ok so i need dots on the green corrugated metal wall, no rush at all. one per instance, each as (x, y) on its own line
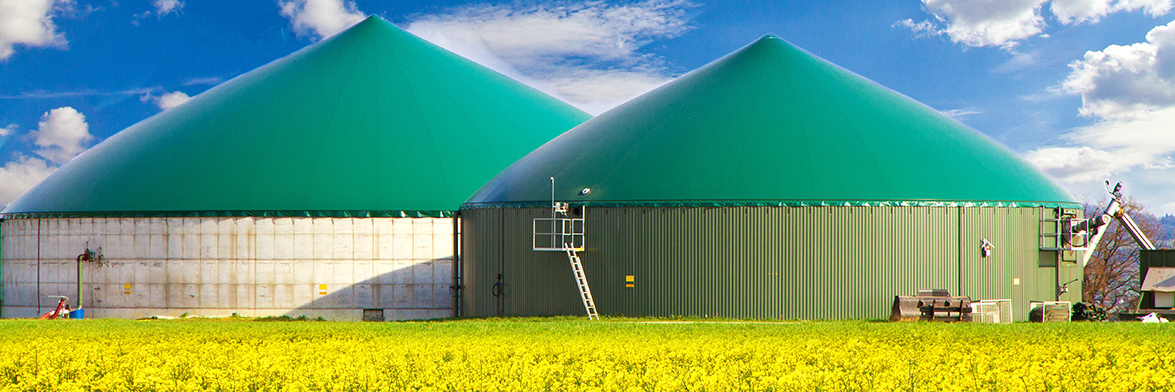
(1, 268)
(759, 262)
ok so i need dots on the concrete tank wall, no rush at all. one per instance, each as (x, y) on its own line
(217, 266)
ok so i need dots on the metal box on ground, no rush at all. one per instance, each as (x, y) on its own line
(1050, 311)
(996, 311)
(373, 315)
(931, 305)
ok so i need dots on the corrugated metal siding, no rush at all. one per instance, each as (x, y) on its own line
(757, 262)
(1015, 233)
(3, 240)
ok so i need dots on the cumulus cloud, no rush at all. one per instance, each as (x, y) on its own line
(19, 175)
(981, 23)
(1079, 11)
(1138, 150)
(166, 100)
(29, 23)
(1125, 81)
(1128, 91)
(1075, 164)
(164, 7)
(161, 8)
(588, 54)
(61, 135)
(1004, 23)
(320, 18)
(171, 100)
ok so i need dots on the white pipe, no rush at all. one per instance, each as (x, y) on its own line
(1143, 242)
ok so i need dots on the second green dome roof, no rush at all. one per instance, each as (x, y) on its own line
(773, 125)
(371, 121)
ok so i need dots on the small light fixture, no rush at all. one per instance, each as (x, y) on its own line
(585, 191)
(986, 247)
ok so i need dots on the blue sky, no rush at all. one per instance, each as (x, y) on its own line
(1084, 89)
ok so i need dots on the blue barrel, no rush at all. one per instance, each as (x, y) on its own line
(77, 314)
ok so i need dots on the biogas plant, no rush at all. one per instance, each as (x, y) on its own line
(376, 176)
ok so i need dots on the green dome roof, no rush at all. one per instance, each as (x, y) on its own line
(773, 125)
(371, 121)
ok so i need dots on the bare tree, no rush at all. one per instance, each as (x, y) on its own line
(1111, 277)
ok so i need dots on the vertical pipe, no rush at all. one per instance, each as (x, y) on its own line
(1, 263)
(456, 264)
(79, 260)
(959, 233)
(1059, 211)
(500, 216)
(38, 266)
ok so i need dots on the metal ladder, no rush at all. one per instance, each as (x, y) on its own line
(585, 292)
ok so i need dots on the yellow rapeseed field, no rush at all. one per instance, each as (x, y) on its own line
(574, 354)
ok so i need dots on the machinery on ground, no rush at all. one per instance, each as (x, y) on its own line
(62, 310)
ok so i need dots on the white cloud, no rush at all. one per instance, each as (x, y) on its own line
(1168, 208)
(19, 175)
(164, 7)
(982, 23)
(1016, 62)
(322, 18)
(1005, 23)
(166, 100)
(1124, 81)
(588, 54)
(29, 23)
(171, 100)
(1110, 147)
(61, 134)
(960, 114)
(596, 91)
(1079, 11)
(1139, 150)
(1075, 164)
(42, 94)
(1128, 91)
(921, 29)
(205, 81)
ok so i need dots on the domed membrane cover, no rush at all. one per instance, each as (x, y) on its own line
(370, 122)
(772, 125)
